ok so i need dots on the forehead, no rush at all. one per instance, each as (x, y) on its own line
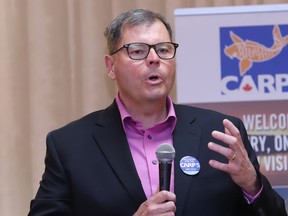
(152, 33)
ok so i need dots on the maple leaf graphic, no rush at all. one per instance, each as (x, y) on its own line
(247, 87)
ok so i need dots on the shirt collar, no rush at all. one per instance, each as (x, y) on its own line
(171, 117)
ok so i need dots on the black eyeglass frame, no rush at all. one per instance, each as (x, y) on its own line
(126, 46)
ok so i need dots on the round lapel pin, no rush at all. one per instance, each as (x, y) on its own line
(190, 165)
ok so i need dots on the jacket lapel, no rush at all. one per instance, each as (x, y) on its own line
(110, 137)
(186, 142)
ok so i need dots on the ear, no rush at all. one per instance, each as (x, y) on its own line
(109, 61)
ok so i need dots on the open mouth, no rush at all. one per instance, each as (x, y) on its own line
(153, 78)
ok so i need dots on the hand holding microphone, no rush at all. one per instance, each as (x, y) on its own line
(163, 201)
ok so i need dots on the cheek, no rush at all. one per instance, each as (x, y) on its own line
(127, 79)
(128, 73)
(172, 72)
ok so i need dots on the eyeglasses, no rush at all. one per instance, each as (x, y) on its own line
(139, 51)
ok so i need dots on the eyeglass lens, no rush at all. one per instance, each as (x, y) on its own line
(139, 51)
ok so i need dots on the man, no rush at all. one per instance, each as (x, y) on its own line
(105, 162)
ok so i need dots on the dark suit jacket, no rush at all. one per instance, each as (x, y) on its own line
(90, 170)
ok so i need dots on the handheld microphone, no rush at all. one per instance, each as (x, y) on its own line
(165, 154)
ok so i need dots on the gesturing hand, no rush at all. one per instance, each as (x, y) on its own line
(160, 204)
(239, 165)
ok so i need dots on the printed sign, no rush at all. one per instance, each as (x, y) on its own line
(254, 61)
(235, 60)
(232, 54)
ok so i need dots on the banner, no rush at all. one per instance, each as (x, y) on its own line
(235, 60)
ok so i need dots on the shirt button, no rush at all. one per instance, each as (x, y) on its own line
(149, 137)
(154, 162)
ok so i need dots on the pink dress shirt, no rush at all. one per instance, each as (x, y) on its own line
(143, 144)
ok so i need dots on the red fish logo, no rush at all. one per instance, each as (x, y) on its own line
(248, 52)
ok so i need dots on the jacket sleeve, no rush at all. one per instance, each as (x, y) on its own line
(54, 195)
(269, 201)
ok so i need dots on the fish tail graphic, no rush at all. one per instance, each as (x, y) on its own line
(248, 52)
(285, 41)
(279, 41)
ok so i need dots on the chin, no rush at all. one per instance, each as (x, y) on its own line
(155, 97)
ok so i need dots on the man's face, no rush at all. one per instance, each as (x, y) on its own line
(144, 80)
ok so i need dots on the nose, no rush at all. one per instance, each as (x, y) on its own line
(153, 58)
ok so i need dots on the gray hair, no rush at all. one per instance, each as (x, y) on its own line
(131, 18)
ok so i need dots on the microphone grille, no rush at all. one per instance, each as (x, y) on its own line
(165, 153)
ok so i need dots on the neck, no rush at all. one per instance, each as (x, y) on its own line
(148, 113)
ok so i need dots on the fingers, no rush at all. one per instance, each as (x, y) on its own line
(231, 137)
(234, 149)
(233, 161)
(227, 152)
(231, 129)
(238, 161)
(220, 166)
(231, 134)
(163, 196)
(161, 203)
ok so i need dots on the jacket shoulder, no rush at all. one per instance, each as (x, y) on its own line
(198, 112)
(87, 122)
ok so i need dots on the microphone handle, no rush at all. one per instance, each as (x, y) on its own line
(164, 175)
